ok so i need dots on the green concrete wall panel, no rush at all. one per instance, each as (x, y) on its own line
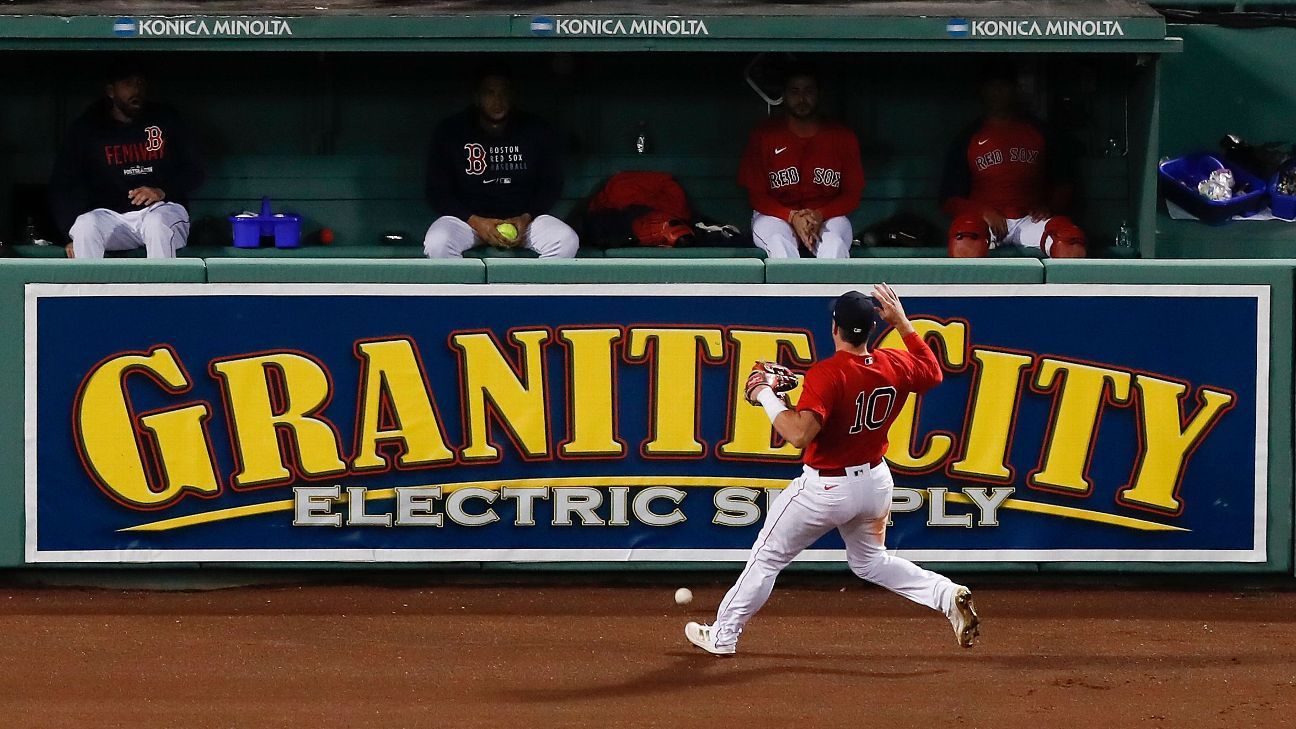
(501, 270)
(220, 270)
(906, 271)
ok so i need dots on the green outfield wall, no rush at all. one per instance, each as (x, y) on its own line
(1014, 278)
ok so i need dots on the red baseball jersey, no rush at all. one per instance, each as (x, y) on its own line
(856, 398)
(783, 172)
(1006, 161)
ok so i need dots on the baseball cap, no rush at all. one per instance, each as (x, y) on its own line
(855, 312)
(121, 67)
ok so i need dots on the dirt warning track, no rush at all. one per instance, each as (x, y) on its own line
(538, 656)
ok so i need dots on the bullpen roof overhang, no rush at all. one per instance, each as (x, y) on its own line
(1058, 26)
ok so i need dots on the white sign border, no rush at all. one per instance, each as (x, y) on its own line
(35, 291)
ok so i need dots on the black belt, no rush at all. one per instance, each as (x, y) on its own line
(832, 472)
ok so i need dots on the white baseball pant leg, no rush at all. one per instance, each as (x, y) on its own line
(450, 237)
(1026, 232)
(161, 229)
(857, 505)
(551, 238)
(776, 238)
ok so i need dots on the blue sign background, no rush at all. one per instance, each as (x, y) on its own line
(1204, 341)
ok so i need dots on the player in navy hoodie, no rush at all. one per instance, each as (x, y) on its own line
(489, 166)
(124, 174)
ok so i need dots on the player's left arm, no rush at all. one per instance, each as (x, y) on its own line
(550, 177)
(189, 173)
(852, 180)
(767, 386)
(1061, 170)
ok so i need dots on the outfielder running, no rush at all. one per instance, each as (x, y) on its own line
(847, 405)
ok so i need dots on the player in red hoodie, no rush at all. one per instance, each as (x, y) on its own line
(803, 177)
(1005, 183)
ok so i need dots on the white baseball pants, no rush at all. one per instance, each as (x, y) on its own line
(161, 228)
(857, 505)
(1023, 232)
(776, 238)
(548, 236)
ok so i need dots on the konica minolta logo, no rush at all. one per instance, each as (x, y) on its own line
(542, 25)
(125, 27)
(958, 27)
(202, 27)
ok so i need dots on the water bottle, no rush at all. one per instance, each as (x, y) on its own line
(1124, 236)
(641, 139)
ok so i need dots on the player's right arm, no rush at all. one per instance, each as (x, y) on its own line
(68, 193)
(754, 176)
(442, 166)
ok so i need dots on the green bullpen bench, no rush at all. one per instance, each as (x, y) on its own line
(363, 198)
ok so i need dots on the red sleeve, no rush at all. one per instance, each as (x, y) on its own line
(924, 371)
(852, 183)
(818, 393)
(753, 176)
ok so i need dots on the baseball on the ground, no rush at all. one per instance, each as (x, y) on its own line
(683, 596)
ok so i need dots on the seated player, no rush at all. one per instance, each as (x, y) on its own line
(1005, 183)
(803, 177)
(493, 174)
(124, 173)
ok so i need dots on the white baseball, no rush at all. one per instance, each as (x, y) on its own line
(683, 596)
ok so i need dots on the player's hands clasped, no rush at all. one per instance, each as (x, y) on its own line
(521, 222)
(997, 222)
(807, 225)
(487, 230)
(145, 196)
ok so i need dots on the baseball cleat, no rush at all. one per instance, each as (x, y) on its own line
(964, 618)
(703, 637)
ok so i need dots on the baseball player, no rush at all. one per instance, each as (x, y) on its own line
(1005, 182)
(803, 177)
(493, 174)
(847, 405)
(124, 173)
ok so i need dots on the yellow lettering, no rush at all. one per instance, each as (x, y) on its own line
(517, 400)
(591, 393)
(391, 373)
(1068, 446)
(905, 451)
(302, 390)
(988, 432)
(106, 433)
(675, 383)
(1167, 442)
(750, 432)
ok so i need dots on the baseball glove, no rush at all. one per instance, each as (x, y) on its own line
(772, 375)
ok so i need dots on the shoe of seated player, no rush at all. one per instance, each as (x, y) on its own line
(703, 636)
(963, 617)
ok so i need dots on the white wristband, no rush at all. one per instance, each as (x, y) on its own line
(772, 403)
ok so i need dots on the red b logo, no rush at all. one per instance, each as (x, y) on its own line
(153, 139)
(476, 158)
